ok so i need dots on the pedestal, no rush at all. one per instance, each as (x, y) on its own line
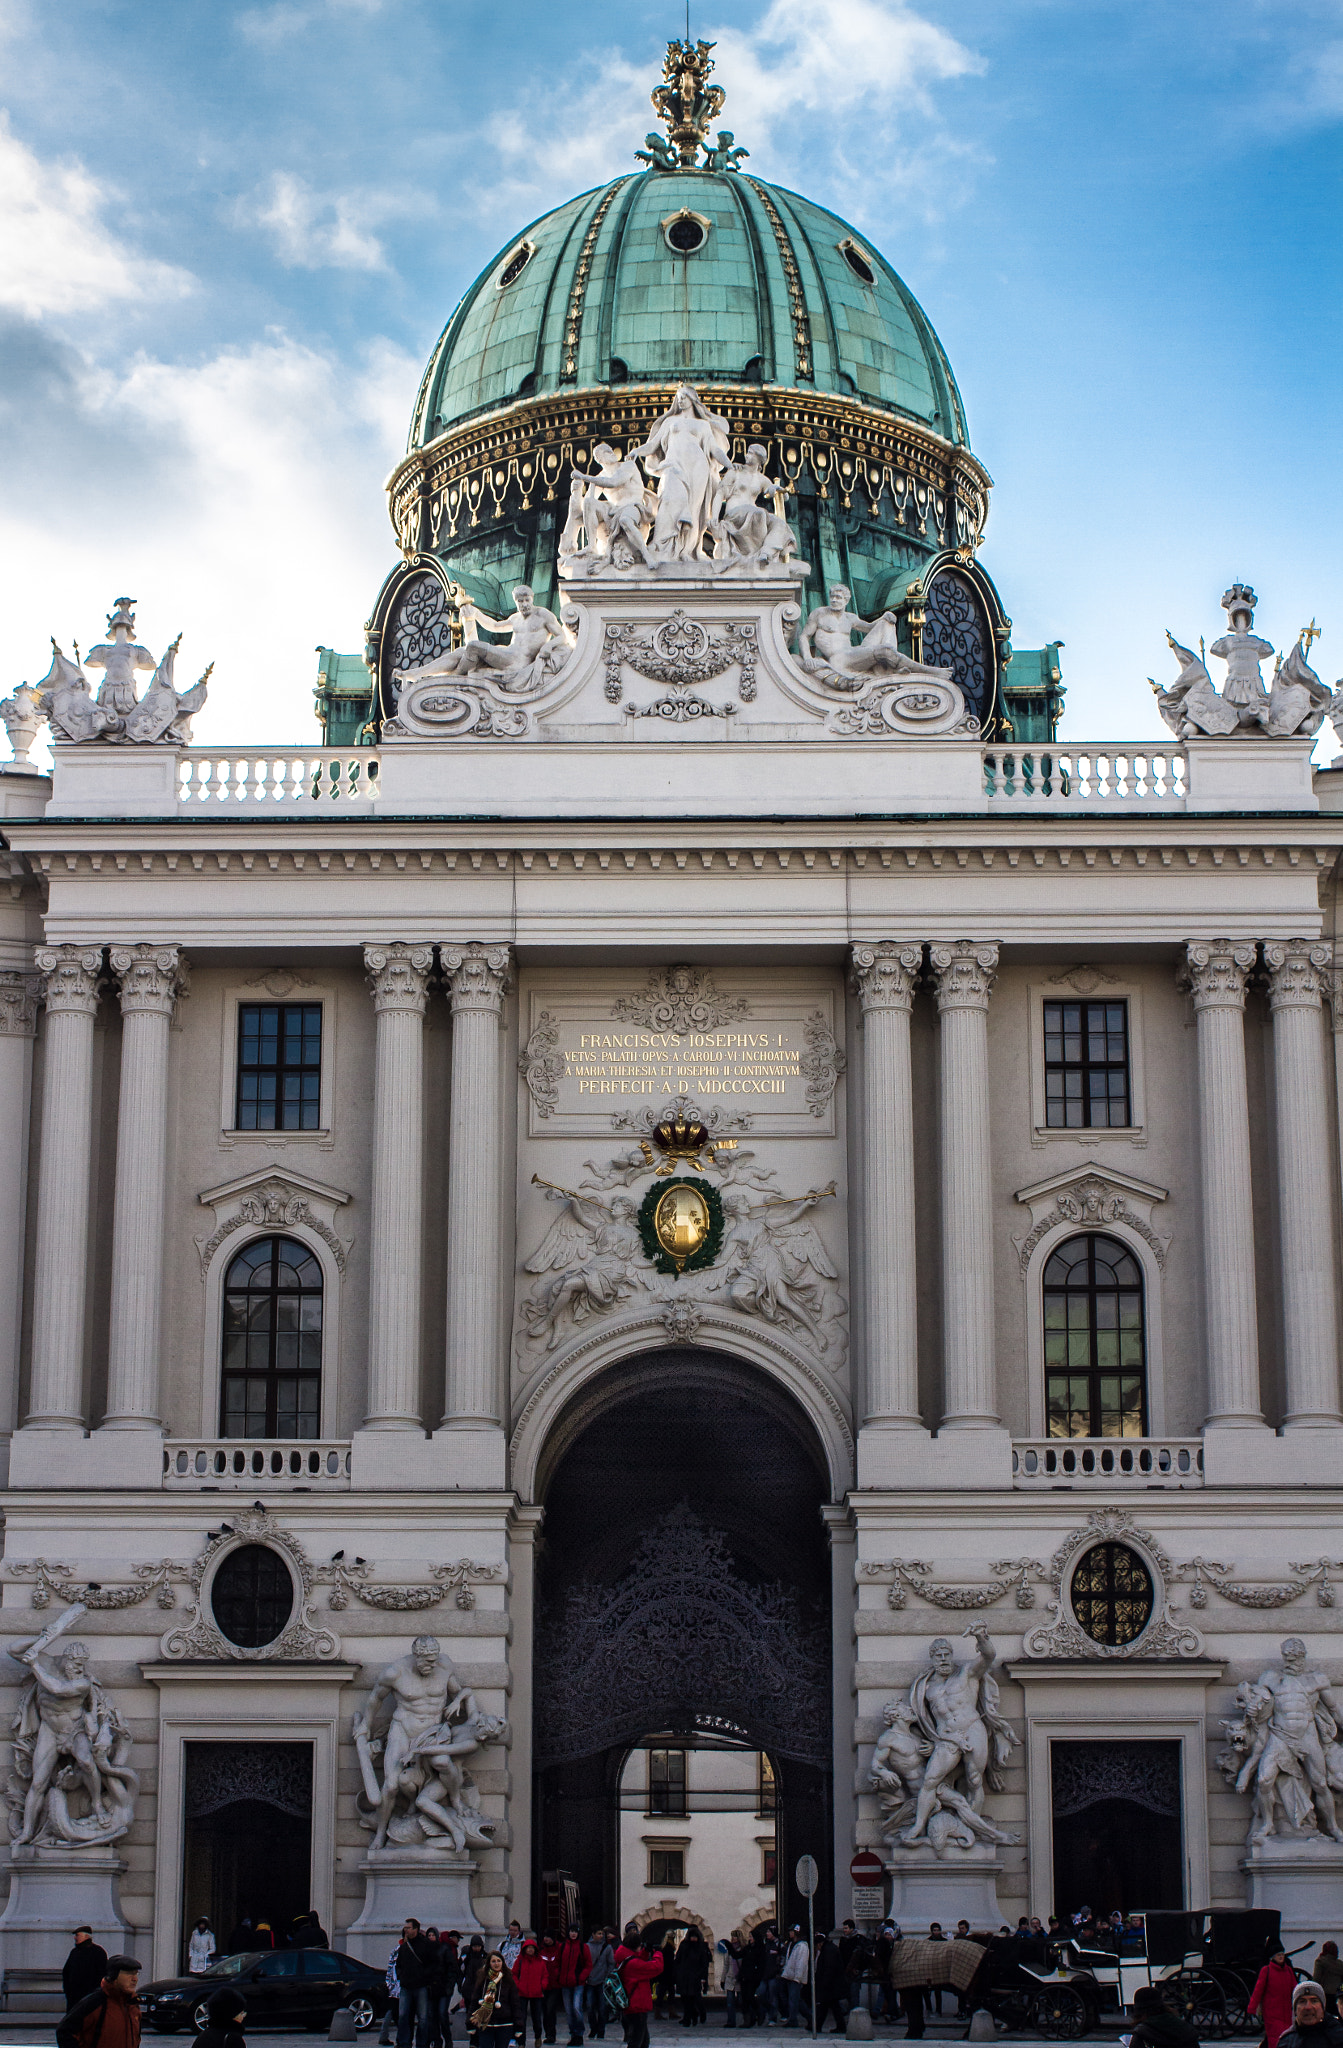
(52, 1891)
(1302, 1875)
(433, 1887)
(960, 1885)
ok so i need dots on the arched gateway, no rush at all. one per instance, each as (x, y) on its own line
(683, 1591)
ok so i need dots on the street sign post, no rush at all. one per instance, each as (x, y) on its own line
(808, 1878)
(869, 1894)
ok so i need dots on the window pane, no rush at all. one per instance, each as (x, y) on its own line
(272, 1327)
(1093, 1339)
(1086, 1064)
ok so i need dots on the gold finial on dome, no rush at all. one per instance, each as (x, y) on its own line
(685, 102)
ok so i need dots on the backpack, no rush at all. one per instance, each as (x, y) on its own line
(614, 1992)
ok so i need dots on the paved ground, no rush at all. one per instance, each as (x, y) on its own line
(35, 2030)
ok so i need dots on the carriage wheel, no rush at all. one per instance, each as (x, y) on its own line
(1237, 1994)
(1061, 2013)
(1199, 2000)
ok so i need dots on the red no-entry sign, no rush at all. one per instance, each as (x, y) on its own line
(867, 1868)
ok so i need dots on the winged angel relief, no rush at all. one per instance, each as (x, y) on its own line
(773, 1263)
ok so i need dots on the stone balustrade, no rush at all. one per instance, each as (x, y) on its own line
(320, 1465)
(1109, 775)
(1107, 1462)
(276, 777)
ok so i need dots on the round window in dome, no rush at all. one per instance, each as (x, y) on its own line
(686, 232)
(252, 1596)
(1111, 1594)
(515, 265)
(857, 262)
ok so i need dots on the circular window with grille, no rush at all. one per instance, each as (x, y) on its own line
(515, 265)
(686, 232)
(252, 1596)
(1111, 1594)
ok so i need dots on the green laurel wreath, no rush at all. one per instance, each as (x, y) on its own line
(713, 1242)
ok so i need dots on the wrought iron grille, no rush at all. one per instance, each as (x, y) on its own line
(1083, 1774)
(421, 623)
(956, 636)
(220, 1774)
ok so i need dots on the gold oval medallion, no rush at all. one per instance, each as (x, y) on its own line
(681, 1221)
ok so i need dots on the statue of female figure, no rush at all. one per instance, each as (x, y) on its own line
(687, 451)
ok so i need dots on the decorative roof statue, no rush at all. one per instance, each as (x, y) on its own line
(162, 714)
(826, 651)
(22, 714)
(727, 156)
(686, 102)
(1294, 707)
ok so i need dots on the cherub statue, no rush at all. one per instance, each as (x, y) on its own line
(657, 153)
(825, 646)
(613, 509)
(725, 157)
(745, 534)
(538, 646)
(775, 1265)
(590, 1252)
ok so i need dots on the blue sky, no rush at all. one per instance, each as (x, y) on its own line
(229, 235)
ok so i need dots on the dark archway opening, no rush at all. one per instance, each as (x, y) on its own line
(683, 1584)
(1118, 1840)
(247, 1827)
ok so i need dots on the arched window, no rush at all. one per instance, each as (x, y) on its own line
(272, 1380)
(1095, 1352)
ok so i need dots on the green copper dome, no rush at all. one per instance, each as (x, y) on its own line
(709, 276)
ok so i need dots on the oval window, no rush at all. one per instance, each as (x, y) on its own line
(515, 265)
(1111, 1594)
(858, 263)
(252, 1596)
(686, 234)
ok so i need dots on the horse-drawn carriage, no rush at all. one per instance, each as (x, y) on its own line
(1204, 1964)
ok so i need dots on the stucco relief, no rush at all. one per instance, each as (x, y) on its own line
(1090, 1197)
(273, 1200)
(1061, 1636)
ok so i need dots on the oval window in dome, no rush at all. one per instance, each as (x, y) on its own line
(857, 262)
(685, 233)
(515, 265)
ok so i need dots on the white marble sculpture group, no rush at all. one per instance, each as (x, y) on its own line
(1284, 1747)
(1296, 704)
(70, 1786)
(424, 1797)
(118, 713)
(944, 1746)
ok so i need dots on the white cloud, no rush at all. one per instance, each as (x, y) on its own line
(241, 500)
(270, 25)
(56, 253)
(326, 230)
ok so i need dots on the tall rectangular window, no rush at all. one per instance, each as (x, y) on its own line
(1086, 1065)
(279, 1067)
(666, 1781)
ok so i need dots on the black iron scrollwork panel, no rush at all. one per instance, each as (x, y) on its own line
(956, 636)
(1085, 1773)
(421, 623)
(680, 1639)
(219, 1774)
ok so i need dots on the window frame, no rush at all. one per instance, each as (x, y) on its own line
(1135, 1132)
(669, 1812)
(1034, 1306)
(277, 1235)
(282, 1005)
(231, 1239)
(1094, 1372)
(254, 990)
(667, 1884)
(1087, 1097)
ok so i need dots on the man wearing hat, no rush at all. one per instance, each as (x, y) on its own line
(110, 2016)
(1312, 2024)
(84, 1967)
(227, 2011)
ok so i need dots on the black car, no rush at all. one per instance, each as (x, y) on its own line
(290, 1988)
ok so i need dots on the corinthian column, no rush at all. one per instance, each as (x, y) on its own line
(964, 974)
(398, 976)
(1215, 972)
(478, 978)
(884, 975)
(152, 978)
(1297, 968)
(18, 1023)
(70, 990)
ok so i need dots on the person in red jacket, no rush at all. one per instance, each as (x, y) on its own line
(573, 1959)
(531, 1974)
(1272, 1994)
(637, 1974)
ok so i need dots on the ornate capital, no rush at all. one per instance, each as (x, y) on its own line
(398, 976)
(71, 978)
(1298, 972)
(964, 973)
(1215, 972)
(18, 1004)
(884, 975)
(478, 977)
(152, 978)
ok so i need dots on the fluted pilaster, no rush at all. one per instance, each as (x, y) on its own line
(1215, 972)
(963, 973)
(1297, 973)
(70, 983)
(478, 978)
(398, 976)
(19, 995)
(884, 975)
(151, 979)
